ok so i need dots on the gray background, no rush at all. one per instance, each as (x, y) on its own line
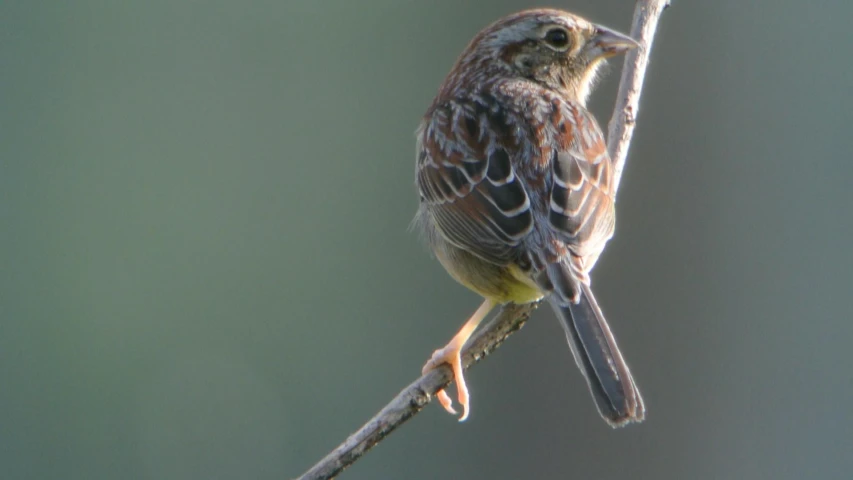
(205, 268)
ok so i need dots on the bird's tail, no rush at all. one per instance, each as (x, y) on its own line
(598, 357)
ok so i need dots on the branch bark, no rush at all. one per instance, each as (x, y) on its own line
(419, 393)
(624, 118)
(511, 317)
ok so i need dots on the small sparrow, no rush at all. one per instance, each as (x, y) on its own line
(516, 188)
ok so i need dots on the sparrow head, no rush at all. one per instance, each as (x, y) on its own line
(553, 48)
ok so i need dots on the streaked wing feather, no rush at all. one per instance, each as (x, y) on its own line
(581, 203)
(466, 178)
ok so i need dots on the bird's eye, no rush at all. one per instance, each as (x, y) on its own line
(557, 38)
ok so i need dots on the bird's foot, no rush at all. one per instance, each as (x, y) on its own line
(451, 355)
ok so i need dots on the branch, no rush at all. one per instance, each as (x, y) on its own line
(624, 119)
(512, 317)
(414, 397)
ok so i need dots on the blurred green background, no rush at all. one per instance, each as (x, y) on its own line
(206, 272)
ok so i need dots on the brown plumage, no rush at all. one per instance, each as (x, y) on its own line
(516, 188)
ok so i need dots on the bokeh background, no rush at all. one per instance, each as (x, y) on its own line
(206, 271)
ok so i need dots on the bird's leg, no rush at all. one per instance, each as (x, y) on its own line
(450, 354)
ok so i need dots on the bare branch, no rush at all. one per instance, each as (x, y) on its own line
(414, 397)
(512, 317)
(621, 127)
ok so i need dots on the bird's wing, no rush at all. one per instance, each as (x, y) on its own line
(581, 202)
(466, 178)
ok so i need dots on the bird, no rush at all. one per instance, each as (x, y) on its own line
(516, 192)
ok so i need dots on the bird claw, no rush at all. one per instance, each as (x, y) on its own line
(451, 356)
(445, 401)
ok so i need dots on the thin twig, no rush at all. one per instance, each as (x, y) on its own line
(512, 317)
(624, 118)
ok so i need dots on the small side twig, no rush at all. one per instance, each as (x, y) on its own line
(512, 317)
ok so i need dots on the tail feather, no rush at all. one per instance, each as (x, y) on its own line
(598, 357)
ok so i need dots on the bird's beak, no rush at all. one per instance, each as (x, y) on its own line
(607, 43)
